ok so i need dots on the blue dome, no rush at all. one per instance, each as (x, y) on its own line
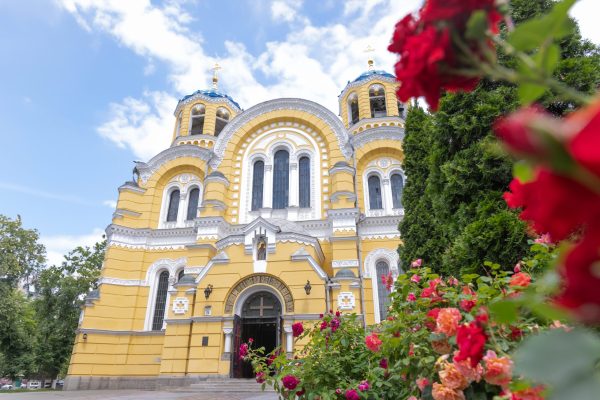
(211, 93)
(367, 74)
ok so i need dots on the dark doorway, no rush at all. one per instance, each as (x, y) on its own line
(260, 321)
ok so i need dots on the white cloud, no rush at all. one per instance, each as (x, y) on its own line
(110, 204)
(59, 245)
(287, 10)
(586, 13)
(143, 125)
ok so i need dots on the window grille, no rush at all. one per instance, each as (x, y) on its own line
(258, 177)
(281, 178)
(160, 303)
(304, 178)
(173, 206)
(375, 202)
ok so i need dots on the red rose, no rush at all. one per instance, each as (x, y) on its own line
(290, 382)
(297, 329)
(520, 279)
(260, 377)
(351, 394)
(383, 363)
(581, 281)
(467, 305)
(551, 195)
(582, 127)
(431, 318)
(518, 131)
(470, 339)
(243, 351)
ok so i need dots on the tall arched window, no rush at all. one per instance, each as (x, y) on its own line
(192, 207)
(281, 178)
(258, 179)
(353, 114)
(173, 206)
(304, 180)
(222, 119)
(180, 274)
(197, 119)
(382, 269)
(397, 186)
(160, 301)
(401, 110)
(375, 202)
(377, 101)
(178, 126)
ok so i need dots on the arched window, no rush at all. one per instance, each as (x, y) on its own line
(197, 119)
(192, 207)
(304, 179)
(397, 187)
(222, 119)
(382, 269)
(178, 126)
(258, 178)
(353, 108)
(375, 202)
(160, 302)
(173, 206)
(377, 101)
(281, 178)
(180, 274)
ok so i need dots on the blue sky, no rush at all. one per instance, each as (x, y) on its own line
(88, 86)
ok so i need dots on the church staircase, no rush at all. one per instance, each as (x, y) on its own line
(225, 385)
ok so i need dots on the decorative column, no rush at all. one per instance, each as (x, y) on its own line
(294, 183)
(289, 340)
(181, 210)
(228, 337)
(268, 187)
(386, 196)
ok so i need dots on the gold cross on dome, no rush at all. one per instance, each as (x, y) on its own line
(215, 78)
(369, 49)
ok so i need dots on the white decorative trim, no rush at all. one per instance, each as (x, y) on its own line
(221, 258)
(334, 123)
(380, 133)
(149, 239)
(193, 270)
(121, 212)
(302, 256)
(121, 282)
(185, 183)
(344, 263)
(146, 170)
(152, 274)
(131, 187)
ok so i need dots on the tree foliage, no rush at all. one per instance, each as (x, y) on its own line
(455, 216)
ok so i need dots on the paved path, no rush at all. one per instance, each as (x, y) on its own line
(133, 395)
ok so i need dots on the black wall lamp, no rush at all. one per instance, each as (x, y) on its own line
(208, 291)
(307, 287)
(84, 336)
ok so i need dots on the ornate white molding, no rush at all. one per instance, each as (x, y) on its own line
(380, 227)
(344, 263)
(346, 301)
(388, 255)
(121, 212)
(149, 239)
(130, 186)
(121, 282)
(275, 105)
(146, 170)
(380, 133)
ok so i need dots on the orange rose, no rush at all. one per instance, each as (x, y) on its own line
(451, 377)
(441, 392)
(470, 373)
(521, 279)
(447, 321)
(498, 370)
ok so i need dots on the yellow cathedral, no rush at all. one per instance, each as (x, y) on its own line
(250, 221)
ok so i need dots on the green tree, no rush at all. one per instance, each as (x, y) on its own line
(455, 216)
(21, 257)
(61, 293)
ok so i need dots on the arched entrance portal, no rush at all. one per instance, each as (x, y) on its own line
(260, 320)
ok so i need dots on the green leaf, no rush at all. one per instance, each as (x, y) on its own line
(529, 92)
(547, 59)
(558, 357)
(523, 171)
(504, 311)
(533, 33)
(548, 311)
(477, 25)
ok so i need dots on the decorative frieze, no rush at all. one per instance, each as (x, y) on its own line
(263, 279)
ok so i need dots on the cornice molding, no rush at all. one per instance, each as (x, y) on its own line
(131, 187)
(295, 104)
(380, 133)
(149, 239)
(147, 169)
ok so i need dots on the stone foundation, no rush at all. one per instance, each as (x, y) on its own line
(139, 383)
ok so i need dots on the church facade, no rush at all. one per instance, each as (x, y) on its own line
(250, 221)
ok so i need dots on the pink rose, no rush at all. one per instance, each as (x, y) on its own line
(243, 351)
(260, 377)
(498, 370)
(352, 395)
(411, 297)
(290, 382)
(416, 263)
(363, 386)
(422, 383)
(415, 278)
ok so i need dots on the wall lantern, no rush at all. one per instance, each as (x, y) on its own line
(307, 287)
(208, 291)
(84, 336)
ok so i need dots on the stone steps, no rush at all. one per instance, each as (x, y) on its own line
(221, 385)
